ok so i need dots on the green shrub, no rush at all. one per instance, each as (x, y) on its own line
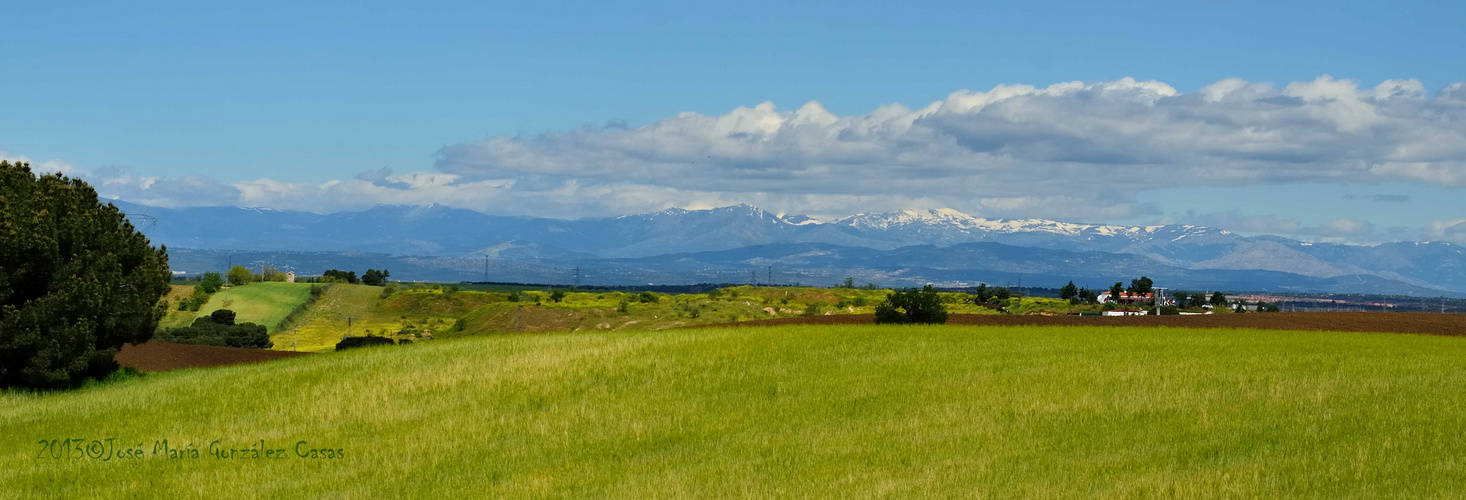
(211, 283)
(240, 275)
(354, 342)
(219, 328)
(912, 306)
(647, 298)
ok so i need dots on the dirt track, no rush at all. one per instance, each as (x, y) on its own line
(1426, 323)
(163, 356)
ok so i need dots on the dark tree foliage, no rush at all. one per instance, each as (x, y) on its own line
(1069, 291)
(1218, 299)
(374, 277)
(1115, 291)
(983, 293)
(77, 281)
(211, 283)
(342, 276)
(1084, 296)
(354, 342)
(557, 296)
(1141, 286)
(912, 306)
(1002, 293)
(223, 317)
(219, 328)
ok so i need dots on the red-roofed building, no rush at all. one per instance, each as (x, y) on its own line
(1128, 298)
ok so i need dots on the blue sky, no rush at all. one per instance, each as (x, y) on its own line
(311, 94)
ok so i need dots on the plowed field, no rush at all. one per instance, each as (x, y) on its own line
(164, 356)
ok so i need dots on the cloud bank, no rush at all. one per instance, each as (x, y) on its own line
(1073, 151)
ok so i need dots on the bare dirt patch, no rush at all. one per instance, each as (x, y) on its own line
(164, 356)
(1424, 323)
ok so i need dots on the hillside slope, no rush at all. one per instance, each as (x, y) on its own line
(260, 303)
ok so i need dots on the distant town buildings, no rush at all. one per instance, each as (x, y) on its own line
(1127, 298)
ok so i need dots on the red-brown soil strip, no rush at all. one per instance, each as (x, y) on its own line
(1423, 323)
(164, 356)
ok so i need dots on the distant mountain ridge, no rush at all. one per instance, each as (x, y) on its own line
(440, 231)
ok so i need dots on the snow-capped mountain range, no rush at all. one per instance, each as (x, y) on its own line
(690, 235)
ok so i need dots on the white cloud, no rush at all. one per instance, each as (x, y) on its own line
(1074, 151)
(1452, 230)
(1088, 148)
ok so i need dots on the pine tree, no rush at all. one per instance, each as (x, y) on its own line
(77, 281)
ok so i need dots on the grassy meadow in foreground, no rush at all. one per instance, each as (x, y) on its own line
(789, 411)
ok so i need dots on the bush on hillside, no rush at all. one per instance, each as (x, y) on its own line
(912, 306)
(77, 281)
(211, 283)
(239, 275)
(339, 276)
(195, 300)
(355, 342)
(219, 328)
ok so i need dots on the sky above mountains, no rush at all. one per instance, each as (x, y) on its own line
(1345, 123)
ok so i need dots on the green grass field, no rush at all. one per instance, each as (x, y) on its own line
(788, 412)
(420, 311)
(360, 310)
(261, 303)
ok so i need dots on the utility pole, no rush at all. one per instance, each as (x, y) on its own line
(577, 276)
(770, 281)
(753, 277)
(486, 267)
